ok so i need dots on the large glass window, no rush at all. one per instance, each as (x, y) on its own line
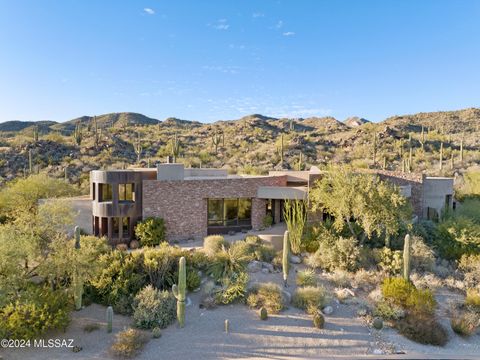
(115, 226)
(105, 192)
(229, 212)
(215, 212)
(125, 192)
(125, 226)
(244, 211)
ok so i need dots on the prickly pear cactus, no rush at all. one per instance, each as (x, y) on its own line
(179, 291)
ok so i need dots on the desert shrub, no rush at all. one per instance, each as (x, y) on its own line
(366, 280)
(151, 231)
(388, 311)
(457, 236)
(403, 293)
(306, 277)
(91, 327)
(156, 332)
(197, 259)
(423, 257)
(464, 324)
(309, 297)
(35, 311)
(213, 244)
(161, 265)
(234, 289)
(154, 308)
(228, 262)
(267, 295)
(253, 240)
(128, 343)
(340, 278)
(264, 253)
(422, 329)
(121, 247)
(121, 278)
(470, 265)
(473, 298)
(193, 279)
(389, 261)
(335, 253)
(267, 221)
(470, 208)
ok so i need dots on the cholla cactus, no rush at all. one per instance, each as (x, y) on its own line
(406, 257)
(285, 258)
(179, 291)
(109, 319)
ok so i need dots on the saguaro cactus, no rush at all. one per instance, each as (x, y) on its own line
(280, 150)
(374, 148)
(216, 139)
(441, 156)
(35, 133)
(285, 258)
(95, 132)
(109, 319)
(138, 147)
(179, 291)
(77, 134)
(77, 279)
(406, 257)
(30, 162)
(461, 151)
(175, 147)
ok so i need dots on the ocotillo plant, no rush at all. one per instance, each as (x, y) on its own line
(109, 319)
(77, 134)
(77, 279)
(406, 257)
(138, 147)
(441, 156)
(175, 147)
(285, 258)
(179, 291)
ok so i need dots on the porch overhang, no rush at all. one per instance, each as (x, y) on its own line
(282, 192)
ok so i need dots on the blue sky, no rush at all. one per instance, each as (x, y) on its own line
(210, 60)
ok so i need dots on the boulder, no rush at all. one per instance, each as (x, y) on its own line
(254, 266)
(327, 310)
(295, 259)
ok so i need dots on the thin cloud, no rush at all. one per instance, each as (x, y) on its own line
(221, 24)
(257, 15)
(288, 33)
(279, 24)
(149, 11)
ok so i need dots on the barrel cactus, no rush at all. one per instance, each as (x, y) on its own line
(377, 323)
(179, 291)
(109, 319)
(406, 257)
(285, 256)
(263, 313)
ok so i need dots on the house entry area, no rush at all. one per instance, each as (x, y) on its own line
(229, 214)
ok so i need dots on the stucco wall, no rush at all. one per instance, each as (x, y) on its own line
(434, 192)
(183, 204)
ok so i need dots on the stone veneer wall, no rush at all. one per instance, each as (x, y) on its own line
(183, 203)
(415, 180)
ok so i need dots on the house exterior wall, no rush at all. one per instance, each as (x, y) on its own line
(435, 192)
(183, 203)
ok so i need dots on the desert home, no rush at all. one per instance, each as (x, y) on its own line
(196, 202)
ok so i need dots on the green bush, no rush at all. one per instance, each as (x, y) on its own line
(309, 297)
(306, 277)
(422, 329)
(213, 244)
(403, 293)
(267, 295)
(150, 232)
(264, 253)
(267, 221)
(465, 324)
(470, 265)
(423, 257)
(335, 253)
(228, 262)
(457, 236)
(36, 311)
(389, 261)
(154, 308)
(473, 298)
(388, 311)
(121, 278)
(128, 343)
(193, 279)
(233, 289)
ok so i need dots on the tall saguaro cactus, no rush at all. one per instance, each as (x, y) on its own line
(35, 133)
(138, 146)
(77, 134)
(441, 157)
(280, 150)
(109, 319)
(179, 291)
(461, 151)
(30, 162)
(374, 149)
(216, 139)
(175, 147)
(407, 247)
(285, 258)
(77, 278)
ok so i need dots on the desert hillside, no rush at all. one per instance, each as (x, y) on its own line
(252, 144)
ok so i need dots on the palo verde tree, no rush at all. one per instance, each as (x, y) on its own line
(361, 203)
